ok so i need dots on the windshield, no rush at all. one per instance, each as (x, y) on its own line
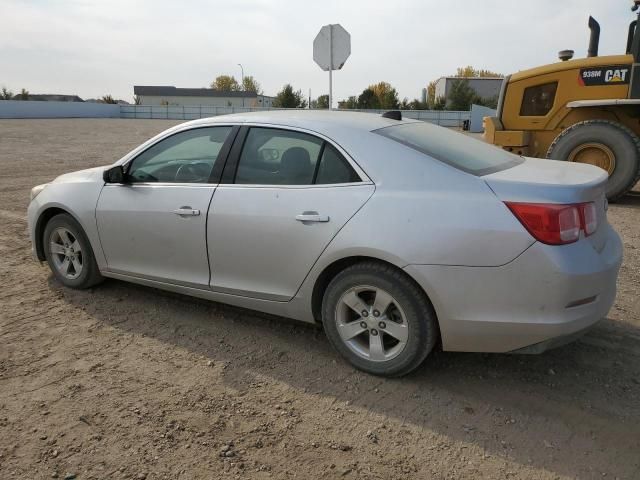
(453, 148)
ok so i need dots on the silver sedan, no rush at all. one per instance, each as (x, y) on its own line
(395, 235)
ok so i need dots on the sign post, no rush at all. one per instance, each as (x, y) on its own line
(331, 48)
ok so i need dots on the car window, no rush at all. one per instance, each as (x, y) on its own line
(278, 157)
(450, 147)
(538, 101)
(334, 168)
(186, 157)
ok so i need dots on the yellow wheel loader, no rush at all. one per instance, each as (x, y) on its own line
(583, 110)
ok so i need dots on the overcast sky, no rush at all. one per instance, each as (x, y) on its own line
(92, 48)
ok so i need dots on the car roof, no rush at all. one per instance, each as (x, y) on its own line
(322, 121)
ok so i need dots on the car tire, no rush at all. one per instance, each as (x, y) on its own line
(69, 253)
(395, 341)
(612, 139)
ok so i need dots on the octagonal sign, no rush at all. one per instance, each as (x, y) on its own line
(332, 47)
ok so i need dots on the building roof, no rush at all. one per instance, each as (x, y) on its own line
(171, 91)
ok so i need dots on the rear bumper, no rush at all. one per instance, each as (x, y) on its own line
(553, 342)
(527, 302)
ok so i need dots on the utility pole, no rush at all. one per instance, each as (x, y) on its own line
(242, 84)
(330, 67)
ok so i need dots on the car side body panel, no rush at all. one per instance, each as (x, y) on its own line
(76, 193)
(257, 245)
(509, 307)
(143, 234)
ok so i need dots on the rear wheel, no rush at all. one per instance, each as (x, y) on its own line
(69, 254)
(605, 144)
(379, 319)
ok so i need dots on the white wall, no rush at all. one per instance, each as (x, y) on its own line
(34, 109)
(478, 112)
(441, 88)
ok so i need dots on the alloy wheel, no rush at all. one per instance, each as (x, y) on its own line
(371, 323)
(66, 253)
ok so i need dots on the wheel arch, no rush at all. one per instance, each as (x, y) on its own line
(334, 268)
(44, 217)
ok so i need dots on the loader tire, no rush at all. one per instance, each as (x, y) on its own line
(606, 144)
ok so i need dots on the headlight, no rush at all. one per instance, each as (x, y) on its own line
(35, 191)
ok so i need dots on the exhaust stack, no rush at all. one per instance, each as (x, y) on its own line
(594, 40)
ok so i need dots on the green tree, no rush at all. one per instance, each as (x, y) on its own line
(289, 98)
(322, 101)
(349, 104)
(368, 99)
(440, 103)
(137, 100)
(24, 94)
(108, 99)
(6, 94)
(461, 95)
(250, 84)
(225, 83)
(416, 104)
(471, 72)
(387, 95)
(431, 93)
(491, 102)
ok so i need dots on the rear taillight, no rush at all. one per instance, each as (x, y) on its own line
(556, 224)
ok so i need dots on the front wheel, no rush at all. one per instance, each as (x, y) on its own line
(379, 319)
(69, 254)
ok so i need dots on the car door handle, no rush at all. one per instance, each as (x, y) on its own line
(312, 217)
(187, 212)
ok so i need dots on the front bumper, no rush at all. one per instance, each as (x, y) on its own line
(527, 302)
(32, 211)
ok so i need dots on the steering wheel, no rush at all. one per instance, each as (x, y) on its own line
(188, 172)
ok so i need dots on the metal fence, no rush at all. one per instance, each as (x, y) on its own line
(20, 109)
(445, 118)
(182, 112)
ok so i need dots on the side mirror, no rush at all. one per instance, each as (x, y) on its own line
(114, 174)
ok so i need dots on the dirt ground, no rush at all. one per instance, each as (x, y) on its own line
(124, 381)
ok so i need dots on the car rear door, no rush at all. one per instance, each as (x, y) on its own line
(284, 195)
(154, 224)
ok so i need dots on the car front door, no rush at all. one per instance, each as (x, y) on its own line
(288, 195)
(154, 224)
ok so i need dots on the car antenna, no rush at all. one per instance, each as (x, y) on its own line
(393, 114)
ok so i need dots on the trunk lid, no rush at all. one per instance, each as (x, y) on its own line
(550, 181)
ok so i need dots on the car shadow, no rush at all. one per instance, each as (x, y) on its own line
(630, 200)
(581, 399)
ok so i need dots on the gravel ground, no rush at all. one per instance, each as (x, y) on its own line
(124, 381)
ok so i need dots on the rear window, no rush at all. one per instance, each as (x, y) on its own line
(450, 147)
